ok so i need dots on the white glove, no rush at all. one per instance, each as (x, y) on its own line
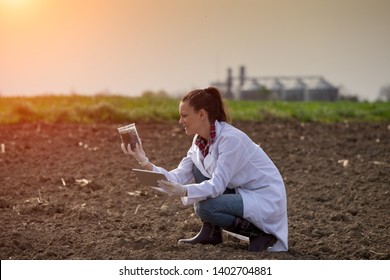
(172, 188)
(138, 153)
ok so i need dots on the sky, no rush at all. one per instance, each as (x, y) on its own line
(131, 46)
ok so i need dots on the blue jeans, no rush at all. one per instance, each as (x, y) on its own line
(220, 211)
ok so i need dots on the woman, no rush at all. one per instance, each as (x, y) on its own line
(232, 183)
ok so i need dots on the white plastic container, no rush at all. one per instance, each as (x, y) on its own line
(129, 135)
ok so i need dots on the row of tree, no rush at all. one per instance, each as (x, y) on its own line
(384, 94)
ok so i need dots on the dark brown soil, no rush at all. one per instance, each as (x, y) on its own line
(337, 179)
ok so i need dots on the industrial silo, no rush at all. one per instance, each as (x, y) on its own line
(294, 90)
(250, 89)
(277, 88)
(322, 90)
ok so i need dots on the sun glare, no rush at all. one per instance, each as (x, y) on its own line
(18, 11)
(11, 6)
(15, 3)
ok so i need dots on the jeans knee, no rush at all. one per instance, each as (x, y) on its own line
(203, 210)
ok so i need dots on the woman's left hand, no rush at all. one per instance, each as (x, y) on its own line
(172, 188)
(138, 153)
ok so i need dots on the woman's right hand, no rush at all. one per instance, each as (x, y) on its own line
(138, 153)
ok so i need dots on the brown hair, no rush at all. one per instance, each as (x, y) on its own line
(209, 99)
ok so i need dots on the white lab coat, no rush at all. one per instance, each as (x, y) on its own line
(236, 162)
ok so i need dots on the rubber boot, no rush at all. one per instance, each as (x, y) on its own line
(258, 239)
(209, 234)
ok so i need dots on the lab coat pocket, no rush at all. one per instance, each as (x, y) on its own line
(209, 164)
(200, 165)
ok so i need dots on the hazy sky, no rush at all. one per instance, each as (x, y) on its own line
(129, 46)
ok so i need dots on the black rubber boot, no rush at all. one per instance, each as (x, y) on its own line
(258, 239)
(209, 234)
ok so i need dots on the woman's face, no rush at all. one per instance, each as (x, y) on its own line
(191, 120)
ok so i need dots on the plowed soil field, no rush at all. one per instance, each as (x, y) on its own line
(67, 192)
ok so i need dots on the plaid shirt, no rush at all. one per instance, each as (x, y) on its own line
(202, 143)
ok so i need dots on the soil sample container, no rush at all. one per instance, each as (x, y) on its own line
(129, 135)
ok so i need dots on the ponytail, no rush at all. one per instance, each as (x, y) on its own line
(209, 99)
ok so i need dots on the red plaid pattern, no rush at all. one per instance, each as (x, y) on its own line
(203, 144)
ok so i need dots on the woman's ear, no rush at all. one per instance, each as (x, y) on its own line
(203, 114)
